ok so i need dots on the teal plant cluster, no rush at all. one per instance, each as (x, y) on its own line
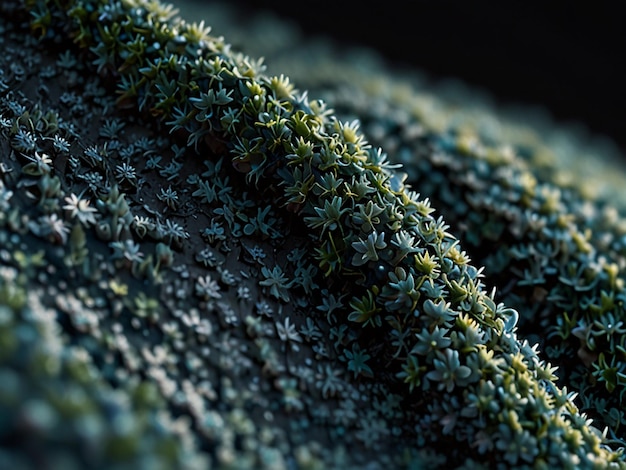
(509, 203)
(553, 254)
(320, 295)
(556, 258)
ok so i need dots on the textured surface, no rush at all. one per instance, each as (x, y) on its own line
(217, 271)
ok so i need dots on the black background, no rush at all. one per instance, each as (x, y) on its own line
(566, 58)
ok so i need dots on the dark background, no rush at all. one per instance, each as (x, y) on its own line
(566, 58)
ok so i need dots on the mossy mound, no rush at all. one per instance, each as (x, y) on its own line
(248, 282)
(540, 206)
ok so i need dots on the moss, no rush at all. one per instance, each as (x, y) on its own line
(334, 308)
(507, 188)
(553, 251)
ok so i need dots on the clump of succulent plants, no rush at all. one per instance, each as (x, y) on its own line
(224, 273)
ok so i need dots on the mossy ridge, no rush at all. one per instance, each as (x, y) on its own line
(567, 154)
(233, 292)
(557, 256)
(506, 217)
(257, 168)
(454, 166)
